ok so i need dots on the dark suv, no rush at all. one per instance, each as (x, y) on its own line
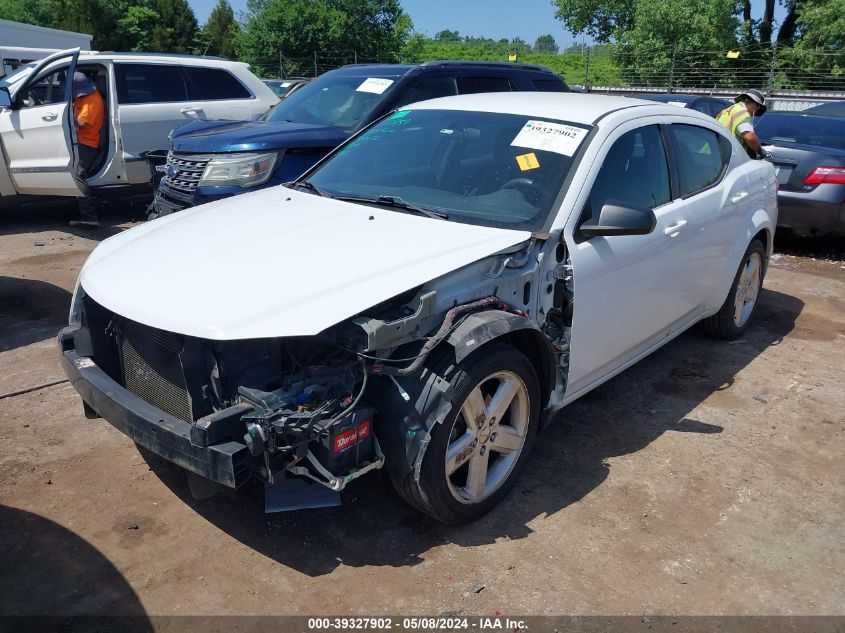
(209, 160)
(706, 104)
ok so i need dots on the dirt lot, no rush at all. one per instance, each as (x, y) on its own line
(707, 479)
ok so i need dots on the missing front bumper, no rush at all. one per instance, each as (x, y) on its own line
(227, 463)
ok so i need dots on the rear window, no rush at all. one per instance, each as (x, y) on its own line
(208, 84)
(804, 129)
(149, 83)
(10, 65)
(550, 85)
(474, 84)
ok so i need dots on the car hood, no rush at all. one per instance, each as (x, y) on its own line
(238, 136)
(276, 263)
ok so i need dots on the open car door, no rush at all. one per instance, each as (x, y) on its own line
(38, 131)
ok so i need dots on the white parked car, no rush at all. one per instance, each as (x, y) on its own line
(146, 96)
(421, 296)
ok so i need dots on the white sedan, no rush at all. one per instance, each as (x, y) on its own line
(423, 295)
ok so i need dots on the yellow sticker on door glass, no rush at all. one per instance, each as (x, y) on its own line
(527, 161)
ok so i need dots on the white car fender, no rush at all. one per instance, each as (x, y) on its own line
(6, 186)
(759, 220)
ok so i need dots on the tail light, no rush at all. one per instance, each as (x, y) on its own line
(827, 175)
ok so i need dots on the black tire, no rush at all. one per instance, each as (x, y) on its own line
(723, 324)
(433, 493)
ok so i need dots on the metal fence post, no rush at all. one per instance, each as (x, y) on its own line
(586, 66)
(672, 68)
(281, 66)
(315, 63)
(771, 81)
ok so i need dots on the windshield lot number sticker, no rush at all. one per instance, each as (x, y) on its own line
(375, 85)
(550, 137)
(528, 161)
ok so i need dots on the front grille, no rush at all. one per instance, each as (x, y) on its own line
(151, 368)
(185, 170)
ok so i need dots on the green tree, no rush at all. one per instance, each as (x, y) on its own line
(609, 20)
(127, 25)
(175, 28)
(117, 25)
(220, 32)
(38, 12)
(136, 28)
(820, 45)
(448, 36)
(546, 44)
(603, 20)
(661, 29)
(371, 29)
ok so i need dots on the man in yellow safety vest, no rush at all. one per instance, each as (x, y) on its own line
(737, 118)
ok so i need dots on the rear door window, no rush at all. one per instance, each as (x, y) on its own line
(429, 88)
(211, 84)
(149, 83)
(702, 157)
(549, 85)
(473, 84)
(701, 106)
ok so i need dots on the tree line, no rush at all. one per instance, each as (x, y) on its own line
(637, 35)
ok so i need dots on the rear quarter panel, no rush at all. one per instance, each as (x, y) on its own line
(761, 215)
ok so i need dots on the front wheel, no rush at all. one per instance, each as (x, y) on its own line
(733, 317)
(476, 453)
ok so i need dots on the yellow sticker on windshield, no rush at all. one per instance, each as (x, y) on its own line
(527, 161)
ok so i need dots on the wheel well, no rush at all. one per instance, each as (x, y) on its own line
(536, 348)
(765, 239)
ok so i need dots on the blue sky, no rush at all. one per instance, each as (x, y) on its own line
(490, 18)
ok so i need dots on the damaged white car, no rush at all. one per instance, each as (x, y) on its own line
(421, 297)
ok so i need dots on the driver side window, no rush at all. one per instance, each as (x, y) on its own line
(635, 172)
(48, 89)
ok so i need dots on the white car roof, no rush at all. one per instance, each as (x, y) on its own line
(566, 106)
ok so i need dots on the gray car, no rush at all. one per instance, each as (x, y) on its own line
(809, 156)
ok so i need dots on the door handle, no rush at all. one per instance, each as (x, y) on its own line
(674, 229)
(48, 116)
(736, 198)
(193, 112)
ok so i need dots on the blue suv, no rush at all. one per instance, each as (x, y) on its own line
(209, 160)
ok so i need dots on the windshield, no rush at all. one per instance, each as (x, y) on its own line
(339, 100)
(15, 77)
(499, 170)
(281, 87)
(799, 128)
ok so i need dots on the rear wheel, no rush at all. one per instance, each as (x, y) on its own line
(733, 317)
(476, 453)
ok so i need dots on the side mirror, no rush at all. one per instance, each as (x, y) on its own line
(5, 98)
(619, 218)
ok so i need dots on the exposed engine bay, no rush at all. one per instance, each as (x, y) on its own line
(314, 407)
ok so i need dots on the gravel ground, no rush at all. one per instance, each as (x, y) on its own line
(707, 479)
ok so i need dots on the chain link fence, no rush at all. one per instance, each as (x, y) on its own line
(820, 73)
(764, 67)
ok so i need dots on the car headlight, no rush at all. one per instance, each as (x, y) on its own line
(75, 315)
(244, 169)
